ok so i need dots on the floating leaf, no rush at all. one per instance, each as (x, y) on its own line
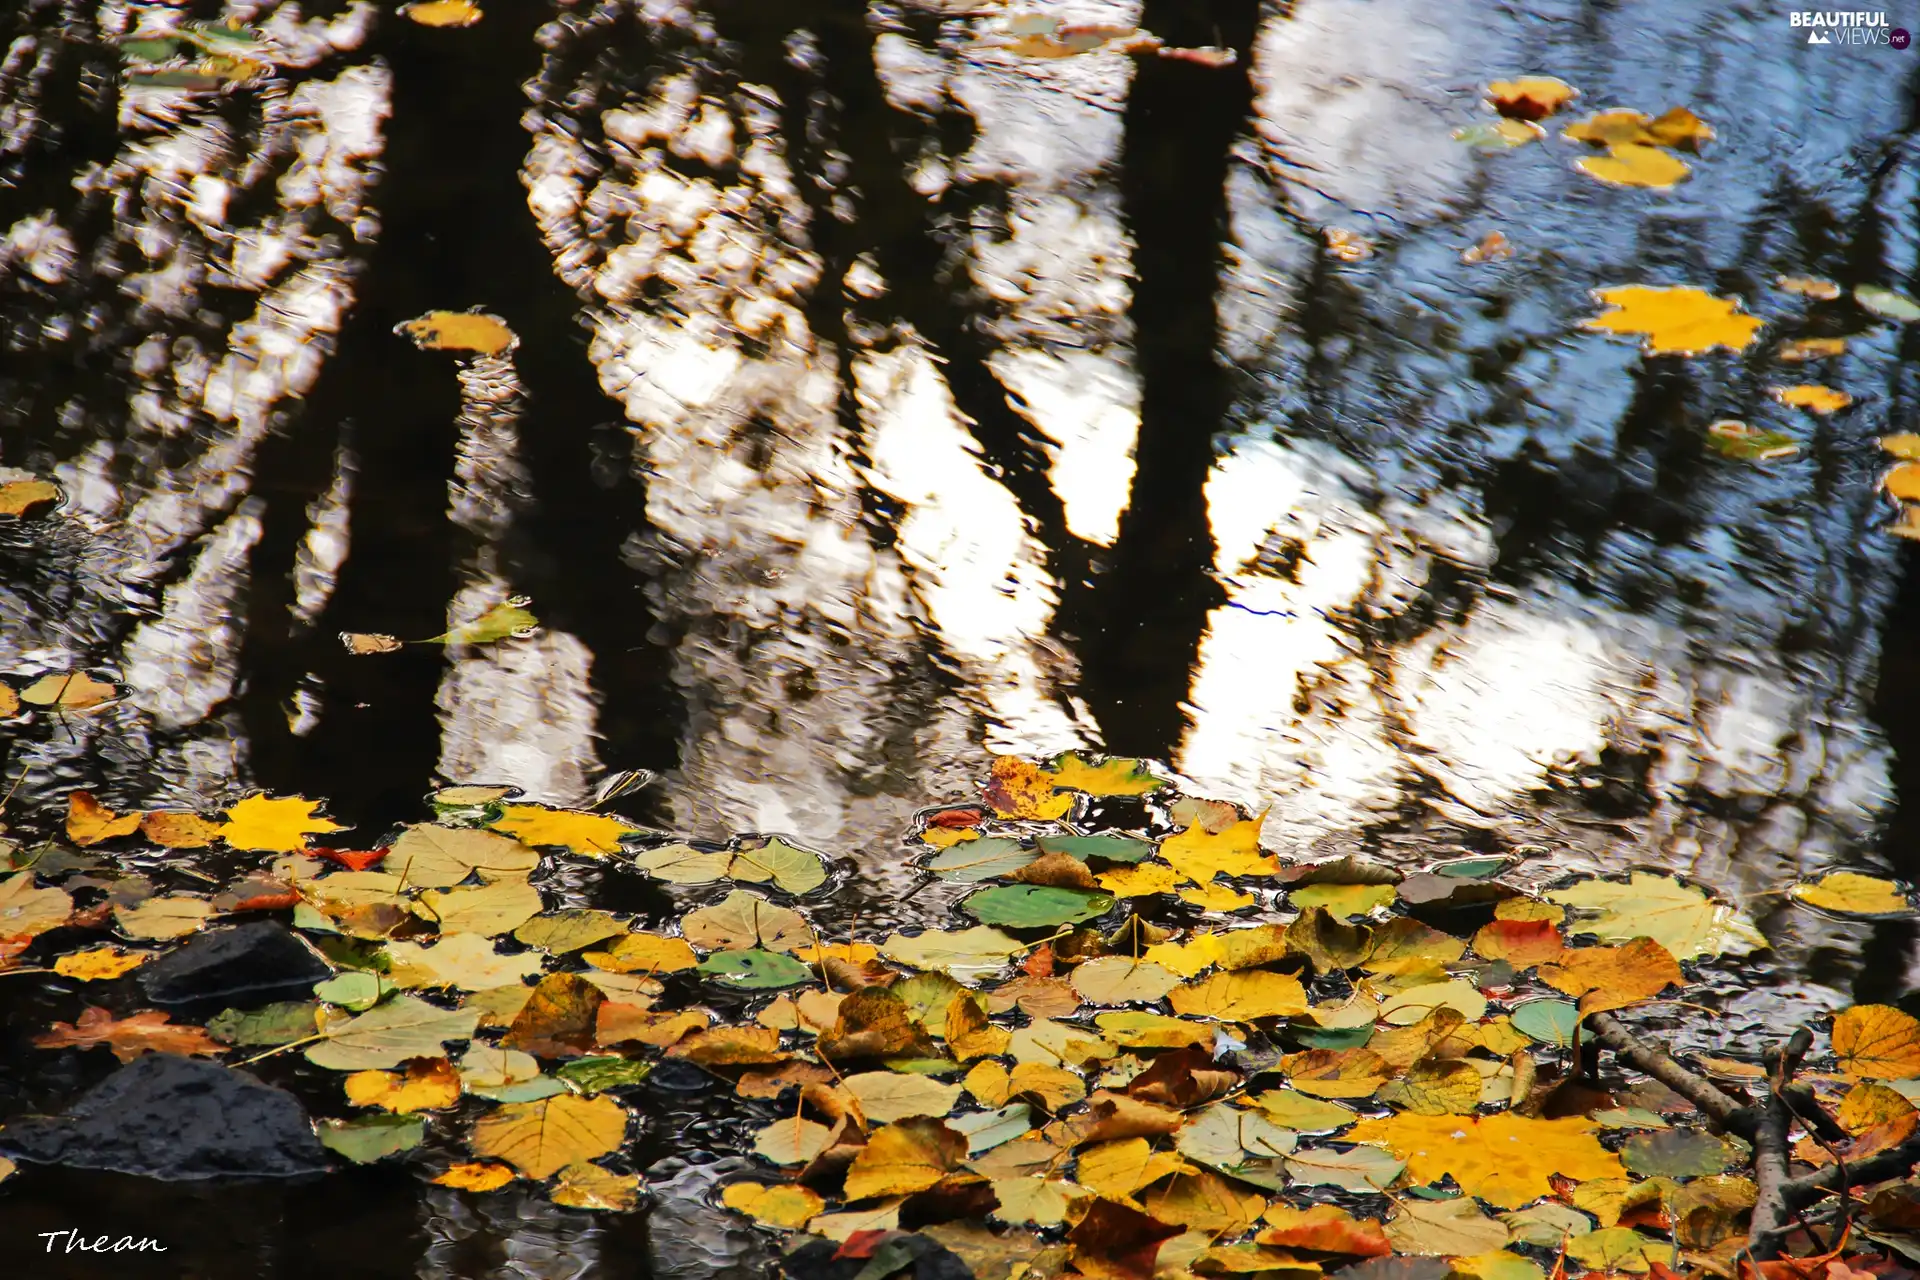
(755, 970)
(1499, 135)
(428, 1084)
(1886, 304)
(540, 1138)
(89, 822)
(1026, 906)
(97, 964)
(559, 932)
(1323, 1228)
(1444, 1228)
(588, 1186)
(974, 860)
(69, 691)
(643, 953)
(1877, 1041)
(1679, 917)
(1604, 978)
(389, 1034)
(1800, 350)
(371, 1138)
(1618, 1249)
(886, 1096)
(1819, 399)
(458, 330)
(280, 1023)
(128, 1037)
(1681, 1153)
(1530, 97)
(430, 856)
(1419, 1002)
(1734, 439)
(1809, 286)
(27, 497)
(1357, 1169)
(1200, 855)
(172, 915)
(1436, 1087)
(1342, 901)
(1022, 790)
(742, 921)
(1118, 980)
(902, 1158)
(482, 1175)
(592, 834)
(1674, 320)
(1631, 164)
(446, 13)
(362, 643)
(1850, 893)
(1504, 1159)
(27, 912)
(791, 1141)
(1548, 1021)
(486, 909)
(1241, 996)
(1616, 127)
(276, 826)
(1113, 776)
(788, 1206)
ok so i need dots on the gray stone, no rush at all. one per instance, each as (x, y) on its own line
(164, 1116)
(240, 968)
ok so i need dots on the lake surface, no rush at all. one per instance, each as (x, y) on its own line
(884, 399)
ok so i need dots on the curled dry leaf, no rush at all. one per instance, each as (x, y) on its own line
(361, 643)
(129, 1037)
(1530, 97)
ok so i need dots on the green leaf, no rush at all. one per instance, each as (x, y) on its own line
(281, 1023)
(793, 869)
(241, 40)
(754, 970)
(371, 1138)
(1112, 848)
(1471, 868)
(1681, 1153)
(971, 861)
(1548, 1021)
(592, 1075)
(986, 1130)
(1035, 906)
(520, 1090)
(387, 1035)
(357, 990)
(148, 50)
(507, 619)
(1885, 303)
(193, 81)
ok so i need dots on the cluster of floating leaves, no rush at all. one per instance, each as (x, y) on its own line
(1336, 1065)
(1680, 320)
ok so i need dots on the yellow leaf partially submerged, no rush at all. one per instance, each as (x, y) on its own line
(593, 834)
(1821, 400)
(1851, 893)
(274, 825)
(541, 1138)
(1504, 1159)
(1632, 164)
(787, 1206)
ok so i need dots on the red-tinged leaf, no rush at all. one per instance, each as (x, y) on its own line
(257, 893)
(861, 1244)
(353, 859)
(1039, 962)
(1125, 1242)
(129, 1037)
(966, 817)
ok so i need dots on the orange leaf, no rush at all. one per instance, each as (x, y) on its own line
(1877, 1041)
(1613, 977)
(1324, 1229)
(129, 1037)
(90, 822)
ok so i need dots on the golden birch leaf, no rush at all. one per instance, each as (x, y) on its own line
(642, 953)
(171, 915)
(26, 912)
(1877, 1041)
(787, 1206)
(1852, 894)
(1018, 789)
(1604, 978)
(742, 921)
(1444, 1228)
(902, 1158)
(1200, 855)
(476, 1175)
(543, 1137)
(99, 963)
(1139, 880)
(430, 856)
(791, 1141)
(592, 834)
(1241, 996)
(1633, 164)
(584, 1185)
(886, 1096)
(70, 691)
(428, 1084)
(452, 13)
(1119, 980)
(1118, 1169)
(90, 822)
(1436, 1087)
(464, 960)
(1116, 776)
(487, 909)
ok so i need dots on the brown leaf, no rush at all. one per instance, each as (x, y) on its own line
(616, 1022)
(131, 1036)
(1115, 1242)
(1604, 978)
(1112, 1115)
(1323, 1228)
(1061, 870)
(730, 1047)
(1184, 1078)
(906, 1156)
(874, 1022)
(559, 1020)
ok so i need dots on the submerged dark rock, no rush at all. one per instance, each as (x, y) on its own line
(164, 1116)
(241, 968)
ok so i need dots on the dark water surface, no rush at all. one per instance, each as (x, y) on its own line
(883, 399)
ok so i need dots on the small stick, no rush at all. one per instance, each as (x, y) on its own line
(1723, 1111)
(1771, 1212)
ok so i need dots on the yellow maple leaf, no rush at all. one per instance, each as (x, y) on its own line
(1139, 880)
(1241, 996)
(1217, 897)
(1504, 1159)
(787, 1206)
(1674, 320)
(1118, 776)
(593, 834)
(275, 825)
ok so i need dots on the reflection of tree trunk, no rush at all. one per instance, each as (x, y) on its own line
(1142, 629)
